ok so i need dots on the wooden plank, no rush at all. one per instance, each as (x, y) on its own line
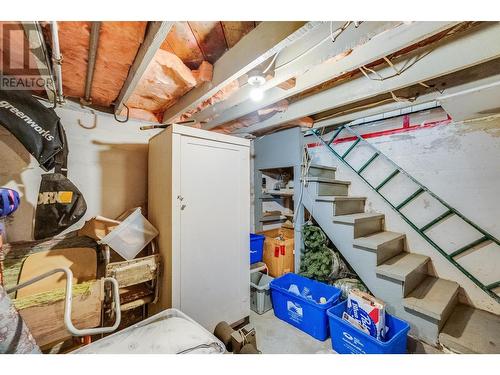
(256, 47)
(46, 320)
(134, 271)
(12, 255)
(182, 42)
(155, 36)
(235, 30)
(81, 261)
(210, 38)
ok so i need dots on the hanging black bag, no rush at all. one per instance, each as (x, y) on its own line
(34, 125)
(60, 203)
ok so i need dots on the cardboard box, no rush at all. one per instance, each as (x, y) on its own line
(279, 251)
(368, 312)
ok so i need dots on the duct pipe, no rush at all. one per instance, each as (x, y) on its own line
(57, 61)
(94, 42)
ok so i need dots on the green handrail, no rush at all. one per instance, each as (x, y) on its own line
(421, 189)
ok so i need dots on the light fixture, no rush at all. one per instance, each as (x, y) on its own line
(256, 79)
(256, 94)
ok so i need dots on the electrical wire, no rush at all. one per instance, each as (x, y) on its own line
(339, 31)
(407, 65)
(271, 63)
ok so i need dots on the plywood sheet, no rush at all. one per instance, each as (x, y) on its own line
(82, 262)
(46, 321)
(210, 38)
(235, 30)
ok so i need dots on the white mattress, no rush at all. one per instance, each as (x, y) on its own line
(168, 332)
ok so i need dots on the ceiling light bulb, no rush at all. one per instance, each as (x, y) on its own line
(256, 78)
(256, 94)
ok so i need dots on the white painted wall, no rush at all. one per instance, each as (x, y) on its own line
(459, 162)
(108, 164)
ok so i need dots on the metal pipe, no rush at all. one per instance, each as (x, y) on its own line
(94, 43)
(57, 61)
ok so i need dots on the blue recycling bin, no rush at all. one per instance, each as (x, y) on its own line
(347, 339)
(308, 315)
(256, 247)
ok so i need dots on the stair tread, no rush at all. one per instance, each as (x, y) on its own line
(317, 166)
(356, 218)
(469, 330)
(374, 241)
(432, 297)
(335, 198)
(400, 266)
(326, 180)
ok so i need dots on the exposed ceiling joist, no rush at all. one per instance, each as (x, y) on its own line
(385, 110)
(293, 61)
(155, 36)
(257, 46)
(38, 48)
(366, 48)
(474, 47)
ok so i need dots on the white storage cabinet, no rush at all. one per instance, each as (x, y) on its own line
(199, 200)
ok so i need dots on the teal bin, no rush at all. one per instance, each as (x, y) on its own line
(306, 314)
(347, 339)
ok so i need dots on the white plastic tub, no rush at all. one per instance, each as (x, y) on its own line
(168, 332)
(131, 236)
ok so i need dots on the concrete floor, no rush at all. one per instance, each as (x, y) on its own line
(274, 336)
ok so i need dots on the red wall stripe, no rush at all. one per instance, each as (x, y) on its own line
(404, 129)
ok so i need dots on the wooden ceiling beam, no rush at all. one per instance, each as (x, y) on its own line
(155, 36)
(257, 46)
(474, 47)
(369, 42)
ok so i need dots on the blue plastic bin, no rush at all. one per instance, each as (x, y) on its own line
(305, 314)
(347, 339)
(256, 247)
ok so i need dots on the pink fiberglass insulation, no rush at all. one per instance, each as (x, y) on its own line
(219, 96)
(118, 46)
(164, 81)
(74, 46)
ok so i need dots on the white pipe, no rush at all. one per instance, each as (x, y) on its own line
(57, 61)
(68, 299)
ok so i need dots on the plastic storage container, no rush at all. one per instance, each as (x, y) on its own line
(347, 339)
(132, 234)
(305, 314)
(260, 292)
(256, 247)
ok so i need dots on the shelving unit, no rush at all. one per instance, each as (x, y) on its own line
(274, 154)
